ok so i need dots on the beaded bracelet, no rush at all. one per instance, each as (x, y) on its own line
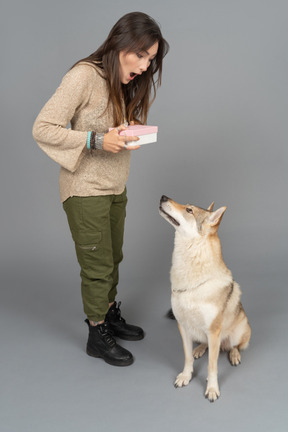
(88, 142)
(92, 140)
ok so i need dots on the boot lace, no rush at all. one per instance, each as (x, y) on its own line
(107, 334)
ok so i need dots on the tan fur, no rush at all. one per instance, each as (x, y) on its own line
(205, 298)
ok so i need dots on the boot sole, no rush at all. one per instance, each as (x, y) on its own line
(111, 362)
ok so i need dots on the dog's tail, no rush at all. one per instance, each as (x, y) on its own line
(170, 314)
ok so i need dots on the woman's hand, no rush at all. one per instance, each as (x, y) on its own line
(113, 142)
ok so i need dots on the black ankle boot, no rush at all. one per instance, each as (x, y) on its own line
(119, 327)
(102, 344)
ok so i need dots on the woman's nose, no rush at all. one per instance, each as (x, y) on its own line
(144, 65)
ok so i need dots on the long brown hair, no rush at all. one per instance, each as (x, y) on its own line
(134, 32)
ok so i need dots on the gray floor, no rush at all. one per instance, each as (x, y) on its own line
(222, 118)
(48, 383)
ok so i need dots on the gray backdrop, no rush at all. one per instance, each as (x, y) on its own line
(222, 117)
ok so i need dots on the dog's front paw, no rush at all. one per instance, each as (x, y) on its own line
(212, 393)
(182, 380)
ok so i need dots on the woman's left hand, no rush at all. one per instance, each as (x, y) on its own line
(113, 142)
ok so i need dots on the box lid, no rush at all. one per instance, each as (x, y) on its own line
(137, 130)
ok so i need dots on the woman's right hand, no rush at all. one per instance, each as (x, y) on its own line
(113, 142)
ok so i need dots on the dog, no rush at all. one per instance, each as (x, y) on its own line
(205, 299)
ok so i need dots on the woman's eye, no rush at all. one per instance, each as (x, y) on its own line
(139, 56)
(189, 210)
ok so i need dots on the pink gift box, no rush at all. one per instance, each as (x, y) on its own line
(146, 134)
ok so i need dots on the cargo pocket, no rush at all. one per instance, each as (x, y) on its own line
(87, 241)
(89, 252)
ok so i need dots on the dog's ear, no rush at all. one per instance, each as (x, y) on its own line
(210, 208)
(216, 216)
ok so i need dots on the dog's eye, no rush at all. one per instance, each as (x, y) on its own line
(189, 210)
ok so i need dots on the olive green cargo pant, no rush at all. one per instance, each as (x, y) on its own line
(97, 227)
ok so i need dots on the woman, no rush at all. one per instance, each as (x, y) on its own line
(110, 88)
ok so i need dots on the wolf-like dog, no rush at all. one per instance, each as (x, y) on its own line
(205, 299)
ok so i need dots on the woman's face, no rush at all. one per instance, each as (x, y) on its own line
(133, 64)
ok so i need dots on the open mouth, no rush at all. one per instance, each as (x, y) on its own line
(171, 219)
(132, 75)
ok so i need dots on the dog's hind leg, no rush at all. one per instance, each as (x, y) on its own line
(234, 356)
(234, 353)
(185, 377)
(200, 350)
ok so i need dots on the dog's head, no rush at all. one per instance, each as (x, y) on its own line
(189, 220)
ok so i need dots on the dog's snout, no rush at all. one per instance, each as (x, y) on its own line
(164, 198)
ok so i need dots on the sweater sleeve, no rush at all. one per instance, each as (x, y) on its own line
(65, 146)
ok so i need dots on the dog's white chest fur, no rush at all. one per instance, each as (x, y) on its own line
(199, 314)
(193, 288)
(194, 310)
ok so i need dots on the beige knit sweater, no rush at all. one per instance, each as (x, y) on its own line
(81, 100)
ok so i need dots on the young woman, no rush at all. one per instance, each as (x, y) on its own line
(112, 87)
